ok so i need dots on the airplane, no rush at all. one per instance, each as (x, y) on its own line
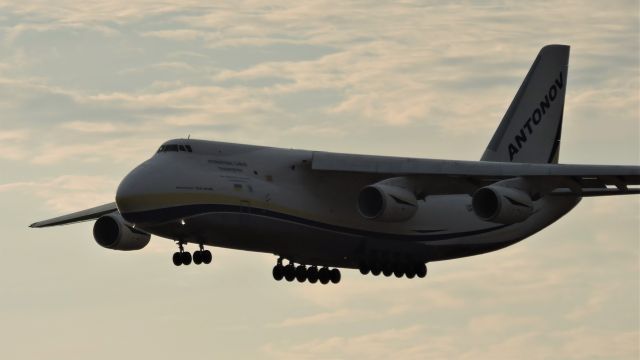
(322, 211)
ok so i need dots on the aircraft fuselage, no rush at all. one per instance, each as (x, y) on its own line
(270, 200)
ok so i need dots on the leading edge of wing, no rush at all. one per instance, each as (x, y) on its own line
(79, 216)
(325, 161)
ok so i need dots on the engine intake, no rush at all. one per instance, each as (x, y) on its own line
(502, 204)
(386, 203)
(113, 232)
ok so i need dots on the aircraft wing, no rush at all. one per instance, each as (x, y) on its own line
(84, 215)
(454, 176)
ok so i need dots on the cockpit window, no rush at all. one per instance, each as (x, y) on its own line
(175, 147)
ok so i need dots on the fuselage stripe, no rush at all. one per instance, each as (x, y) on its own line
(175, 213)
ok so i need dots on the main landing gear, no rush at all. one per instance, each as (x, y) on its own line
(399, 269)
(183, 257)
(302, 273)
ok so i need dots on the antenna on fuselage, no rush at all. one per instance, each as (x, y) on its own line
(188, 136)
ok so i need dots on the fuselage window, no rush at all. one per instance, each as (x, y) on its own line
(188, 148)
(182, 148)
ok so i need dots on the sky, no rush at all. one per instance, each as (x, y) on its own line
(89, 89)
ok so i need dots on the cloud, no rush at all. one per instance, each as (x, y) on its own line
(17, 135)
(117, 150)
(94, 87)
(92, 127)
(68, 192)
(376, 345)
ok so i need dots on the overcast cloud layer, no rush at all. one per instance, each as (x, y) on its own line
(89, 89)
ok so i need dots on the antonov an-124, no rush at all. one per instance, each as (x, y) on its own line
(320, 211)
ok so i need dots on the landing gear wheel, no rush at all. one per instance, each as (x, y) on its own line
(197, 257)
(387, 270)
(185, 257)
(364, 268)
(410, 273)
(301, 273)
(312, 274)
(421, 270)
(335, 276)
(375, 269)
(206, 256)
(324, 276)
(177, 259)
(289, 272)
(278, 272)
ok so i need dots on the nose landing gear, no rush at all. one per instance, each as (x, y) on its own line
(202, 256)
(183, 257)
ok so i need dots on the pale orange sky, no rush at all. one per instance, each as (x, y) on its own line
(89, 89)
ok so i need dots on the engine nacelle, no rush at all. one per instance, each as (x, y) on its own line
(113, 232)
(501, 204)
(387, 203)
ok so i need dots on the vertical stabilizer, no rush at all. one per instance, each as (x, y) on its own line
(530, 129)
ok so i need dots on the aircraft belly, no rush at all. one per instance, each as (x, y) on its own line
(325, 244)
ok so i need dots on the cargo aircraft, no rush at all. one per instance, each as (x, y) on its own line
(320, 211)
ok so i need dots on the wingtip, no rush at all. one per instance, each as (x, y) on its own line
(34, 225)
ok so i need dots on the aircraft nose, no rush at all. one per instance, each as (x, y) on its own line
(134, 188)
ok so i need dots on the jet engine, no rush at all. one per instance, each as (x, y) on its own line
(384, 202)
(113, 232)
(501, 204)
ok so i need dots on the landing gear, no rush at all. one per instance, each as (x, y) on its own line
(183, 257)
(301, 273)
(407, 268)
(202, 256)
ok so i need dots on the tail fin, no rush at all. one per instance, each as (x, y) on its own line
(530, 129)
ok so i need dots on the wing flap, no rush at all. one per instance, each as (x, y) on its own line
(84, 215)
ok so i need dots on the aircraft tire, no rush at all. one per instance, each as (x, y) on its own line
(289, 272)
(207, 257)
(375, 270)
(177, 259)
(185, 256)
(335, 276)
(387, 270)
(411, 273)
(301, 273)
(278, 272)
(364, 268)
(324, 276)
(197, 257)
(421, 270)
(312, 274)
